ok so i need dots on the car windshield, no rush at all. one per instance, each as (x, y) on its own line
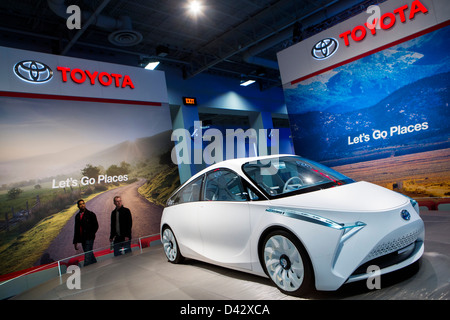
(288, 175)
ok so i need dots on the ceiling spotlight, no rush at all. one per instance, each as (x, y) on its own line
(195, 7)
(247, 83)
(152, 65)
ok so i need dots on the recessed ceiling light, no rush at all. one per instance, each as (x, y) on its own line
(152, 65)
(247, 83)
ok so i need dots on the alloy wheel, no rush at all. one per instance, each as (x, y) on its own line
(170, 245)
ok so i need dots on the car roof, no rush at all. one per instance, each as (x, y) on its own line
(235, 164)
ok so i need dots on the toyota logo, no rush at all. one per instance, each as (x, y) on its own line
(33, 71)
(324, 48)
(405, 215)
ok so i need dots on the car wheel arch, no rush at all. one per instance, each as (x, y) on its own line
(165, 225)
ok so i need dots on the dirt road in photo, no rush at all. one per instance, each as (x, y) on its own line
(146, 219)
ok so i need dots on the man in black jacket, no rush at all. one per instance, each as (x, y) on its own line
(121, 223)
(86, 226)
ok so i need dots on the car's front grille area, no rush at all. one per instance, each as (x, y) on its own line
(393, 245)
(388, 259)
(394, 248)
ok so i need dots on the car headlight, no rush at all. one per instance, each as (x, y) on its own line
(414, 204)
(314, 218)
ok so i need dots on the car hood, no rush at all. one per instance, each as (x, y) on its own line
(355, 197)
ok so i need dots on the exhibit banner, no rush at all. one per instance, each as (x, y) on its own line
(75, 129)
(49, 76)
(379, 27)
(371, 95)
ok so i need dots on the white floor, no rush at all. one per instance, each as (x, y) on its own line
(148, 276)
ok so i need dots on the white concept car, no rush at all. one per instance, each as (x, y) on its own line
(298, 222)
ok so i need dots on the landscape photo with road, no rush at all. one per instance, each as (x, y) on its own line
(57, 152)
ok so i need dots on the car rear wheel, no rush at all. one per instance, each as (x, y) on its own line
(287, 263)
(170, 246)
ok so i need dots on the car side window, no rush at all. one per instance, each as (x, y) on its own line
(224, 185)
(189, 193)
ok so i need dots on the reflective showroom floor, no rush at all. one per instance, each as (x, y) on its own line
(148, 275)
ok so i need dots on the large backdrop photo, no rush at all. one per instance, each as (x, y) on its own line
(65, 139)
(378, 109)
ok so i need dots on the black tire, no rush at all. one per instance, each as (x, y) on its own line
(170, 246)
(287, 263)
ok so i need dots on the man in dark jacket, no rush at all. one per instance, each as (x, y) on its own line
(121, 223)
(86, 226)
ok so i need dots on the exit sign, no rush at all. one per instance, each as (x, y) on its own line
(189, 101)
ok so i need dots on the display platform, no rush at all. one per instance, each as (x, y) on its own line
(148, 276)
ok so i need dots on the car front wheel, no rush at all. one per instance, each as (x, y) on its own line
(170, 246)
(287, 263)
